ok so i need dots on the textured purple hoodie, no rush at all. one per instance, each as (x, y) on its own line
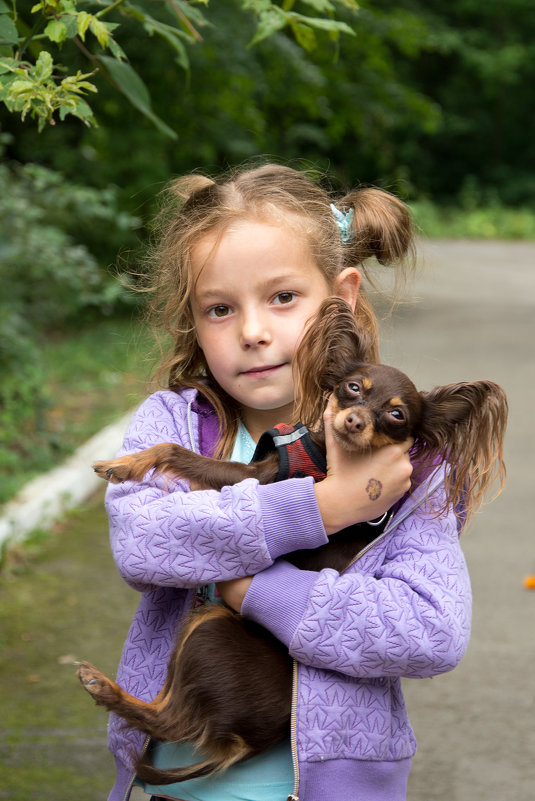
(402, 609)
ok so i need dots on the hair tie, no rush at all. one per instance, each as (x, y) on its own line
(343, 221)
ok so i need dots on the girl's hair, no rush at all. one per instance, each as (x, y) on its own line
(380, 227)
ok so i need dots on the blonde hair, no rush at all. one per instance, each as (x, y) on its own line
(198, 206)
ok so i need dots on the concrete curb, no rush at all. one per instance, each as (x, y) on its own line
(47, 497)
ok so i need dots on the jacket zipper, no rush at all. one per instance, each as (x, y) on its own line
(294, 796)
(395, 521)
(293, 735)
(128, 790)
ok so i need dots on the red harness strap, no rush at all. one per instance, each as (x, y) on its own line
(298, 455)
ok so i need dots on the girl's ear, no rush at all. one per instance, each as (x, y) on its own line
(332, 346)
(346, 286)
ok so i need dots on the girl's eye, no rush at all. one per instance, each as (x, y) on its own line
(397, 415)
(284, 297)
(219, 311)
(353, 388)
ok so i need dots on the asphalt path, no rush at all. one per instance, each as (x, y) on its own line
(472, 316)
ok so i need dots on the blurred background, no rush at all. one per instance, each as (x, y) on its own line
(431, 100)
(101, 104)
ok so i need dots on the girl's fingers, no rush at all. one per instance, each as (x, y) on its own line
(361, 487)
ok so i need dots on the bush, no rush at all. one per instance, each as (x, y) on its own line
(50, 277)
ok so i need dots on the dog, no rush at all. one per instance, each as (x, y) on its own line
(228, 687)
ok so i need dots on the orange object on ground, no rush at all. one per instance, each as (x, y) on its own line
(529, 582)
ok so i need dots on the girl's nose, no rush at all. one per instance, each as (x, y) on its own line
(254, 331)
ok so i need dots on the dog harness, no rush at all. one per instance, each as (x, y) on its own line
(300, 457)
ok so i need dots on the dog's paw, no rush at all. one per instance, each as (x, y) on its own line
(99, 686)
(112, 470)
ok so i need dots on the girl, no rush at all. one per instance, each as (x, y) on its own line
(243, 265)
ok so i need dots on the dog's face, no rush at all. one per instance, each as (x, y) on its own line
(375, 405)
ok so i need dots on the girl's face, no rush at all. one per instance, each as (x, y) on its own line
(254, 292)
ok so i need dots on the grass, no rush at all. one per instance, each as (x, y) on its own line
(92, 375)
(61, 600)
(469, 220)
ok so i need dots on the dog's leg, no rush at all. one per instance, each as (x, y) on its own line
(179, 462)
(107, 693)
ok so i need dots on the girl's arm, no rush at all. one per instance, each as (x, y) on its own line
(164, 535)
(409, 617)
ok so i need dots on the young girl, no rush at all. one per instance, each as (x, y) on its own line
(243, 265)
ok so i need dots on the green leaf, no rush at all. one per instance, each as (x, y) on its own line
(9, 65)
(116, 50)
(71, 25)
(56, 30)
(4, 8)
(65, 6)
(8, 31)
(322, 24)
(131, 85)
(100, 30)
(305, 36)
(79, 109)
(171, 35)
(44, 66)
(269, 22)
(84, 20)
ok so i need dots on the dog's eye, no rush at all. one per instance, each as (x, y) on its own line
(397, 414)
(353, 388)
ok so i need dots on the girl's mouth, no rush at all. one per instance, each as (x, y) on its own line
(262, 371)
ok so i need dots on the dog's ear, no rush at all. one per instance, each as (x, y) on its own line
(465, 424)
(332, 346)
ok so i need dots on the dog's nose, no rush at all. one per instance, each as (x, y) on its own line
(354, 423)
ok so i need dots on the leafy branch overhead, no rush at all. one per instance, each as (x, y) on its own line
(38, 48)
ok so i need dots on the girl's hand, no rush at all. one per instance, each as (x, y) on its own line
(233, 591)
(360, 487)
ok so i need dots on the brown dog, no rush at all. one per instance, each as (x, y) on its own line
(228, 687)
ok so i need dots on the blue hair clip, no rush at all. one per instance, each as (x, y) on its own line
(344, 223)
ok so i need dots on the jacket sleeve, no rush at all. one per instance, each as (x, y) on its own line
(409, 617)
(162, 534)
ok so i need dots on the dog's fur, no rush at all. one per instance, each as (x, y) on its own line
(228, 688)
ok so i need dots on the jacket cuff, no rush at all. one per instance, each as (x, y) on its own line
(291, 517)
(277, 598)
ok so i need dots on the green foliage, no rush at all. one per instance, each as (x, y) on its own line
(423, 95)
(38, 89)
(31, 88)
(475, 222)
(48, 278)
(87, 376)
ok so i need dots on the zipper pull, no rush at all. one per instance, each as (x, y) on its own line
(292, 797)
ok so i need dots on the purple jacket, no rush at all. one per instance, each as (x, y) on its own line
(402, 609)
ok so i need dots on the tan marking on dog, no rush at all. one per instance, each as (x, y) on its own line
(378, 440)
(226, 754)
(367, 382)
(357, 441)
(396, 401)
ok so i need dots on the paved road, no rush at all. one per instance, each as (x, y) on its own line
(476, 726)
